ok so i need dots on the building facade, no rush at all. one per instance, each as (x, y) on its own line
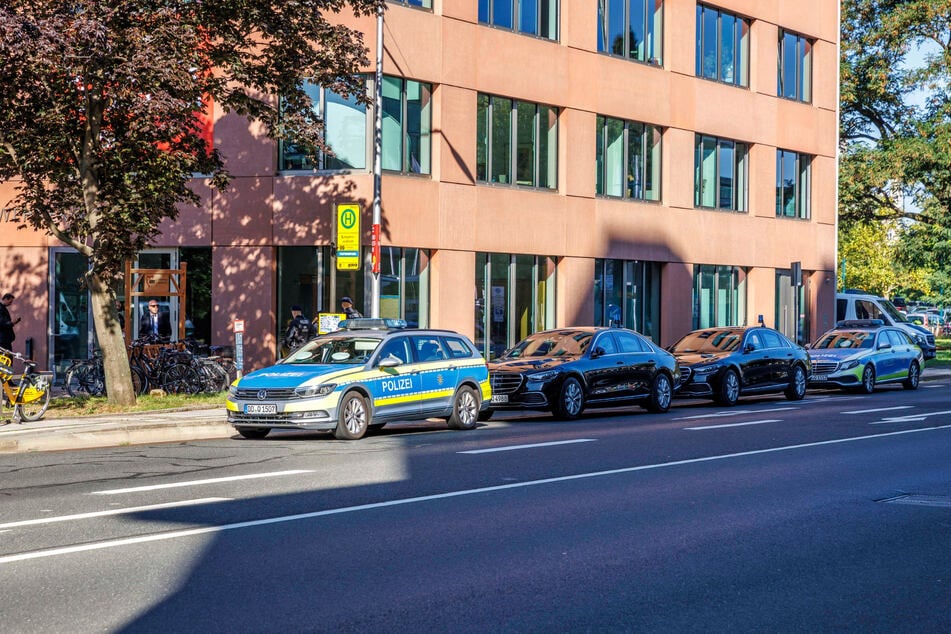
(661, 164)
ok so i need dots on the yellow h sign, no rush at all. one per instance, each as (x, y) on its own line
(348, 237)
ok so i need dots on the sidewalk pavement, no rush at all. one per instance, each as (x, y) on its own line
(116, 430)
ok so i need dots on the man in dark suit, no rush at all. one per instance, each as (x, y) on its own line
(155, 323)
(6, 322)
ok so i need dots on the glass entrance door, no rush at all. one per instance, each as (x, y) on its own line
(157, 259)
(513, 299)
(71, 334)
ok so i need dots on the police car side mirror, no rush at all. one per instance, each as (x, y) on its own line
(390, 362)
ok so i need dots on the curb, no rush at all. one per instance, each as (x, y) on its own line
(91, 433)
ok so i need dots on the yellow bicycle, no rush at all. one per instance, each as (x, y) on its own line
(31, 396)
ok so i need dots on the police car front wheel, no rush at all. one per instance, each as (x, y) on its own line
(354, 417)
(465, 409)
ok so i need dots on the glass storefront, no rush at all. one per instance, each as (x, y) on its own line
(719, 296)
(627, 293)
(514, 298)
(307, 277)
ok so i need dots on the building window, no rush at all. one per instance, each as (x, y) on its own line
(515, 297)
(627, 157)
(404, 285)
(793, 184)
(795, 67)
(723, 46)
(407, 125)
(720, 173)
(517, 142)
(426, 4)
(719, 296)
(345, 133)
(534, 17)
(627, 293)
(632, 29)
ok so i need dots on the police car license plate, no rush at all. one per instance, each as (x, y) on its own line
(500, 398)
(256, 408)
(819, 377)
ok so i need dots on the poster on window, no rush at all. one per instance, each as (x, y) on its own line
(498, 303)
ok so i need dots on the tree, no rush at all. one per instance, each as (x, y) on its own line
(100, 104)
(896, 110)
(869, 250)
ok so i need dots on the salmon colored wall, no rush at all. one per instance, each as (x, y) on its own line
(451, 215)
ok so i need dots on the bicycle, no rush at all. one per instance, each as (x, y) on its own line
(31, 396)
(86, 377)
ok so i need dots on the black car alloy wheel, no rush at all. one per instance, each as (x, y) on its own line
(570, 399)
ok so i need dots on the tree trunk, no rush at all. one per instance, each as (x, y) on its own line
(115, 358)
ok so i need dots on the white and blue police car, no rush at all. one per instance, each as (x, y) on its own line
(370, 372)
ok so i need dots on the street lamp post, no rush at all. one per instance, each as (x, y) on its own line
(377, 168)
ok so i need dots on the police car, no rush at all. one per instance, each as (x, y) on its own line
(862, 353)
(370, 372)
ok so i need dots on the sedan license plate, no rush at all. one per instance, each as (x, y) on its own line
(819, 377)
(500, 398)
(255, 408)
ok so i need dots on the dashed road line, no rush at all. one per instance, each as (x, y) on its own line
(531, 446)
(175, 485)
(751, 422)
(122, 511)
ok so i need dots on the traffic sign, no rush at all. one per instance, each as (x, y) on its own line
(348, 236)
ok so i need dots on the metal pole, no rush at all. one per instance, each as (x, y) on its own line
(377, 163)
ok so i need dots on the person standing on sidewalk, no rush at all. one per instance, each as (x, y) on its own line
(7, 323)
(348, 309)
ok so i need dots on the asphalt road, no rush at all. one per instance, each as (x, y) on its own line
(829, 514)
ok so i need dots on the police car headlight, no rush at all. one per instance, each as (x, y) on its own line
(547, 375)
(921, 340)
(233, 389)
(848, 365)
(314, 390)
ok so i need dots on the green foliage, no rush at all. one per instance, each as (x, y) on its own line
(895, 151)
(869, 250)
(896, 138)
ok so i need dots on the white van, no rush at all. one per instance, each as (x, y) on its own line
(860, 305)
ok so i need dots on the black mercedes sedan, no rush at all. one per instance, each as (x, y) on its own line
(725, 363)
(568, 369)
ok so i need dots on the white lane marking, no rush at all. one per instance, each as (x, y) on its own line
(429, 498)
(122, 511)
(735, 412)
(532, 446)
(752, 422)
(173, 485)
(911, 418)
(879, 409)
(931, 386)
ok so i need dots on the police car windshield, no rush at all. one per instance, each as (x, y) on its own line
(840, 339)
(343, 351)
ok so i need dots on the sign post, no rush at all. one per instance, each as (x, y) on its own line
(239, 345)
